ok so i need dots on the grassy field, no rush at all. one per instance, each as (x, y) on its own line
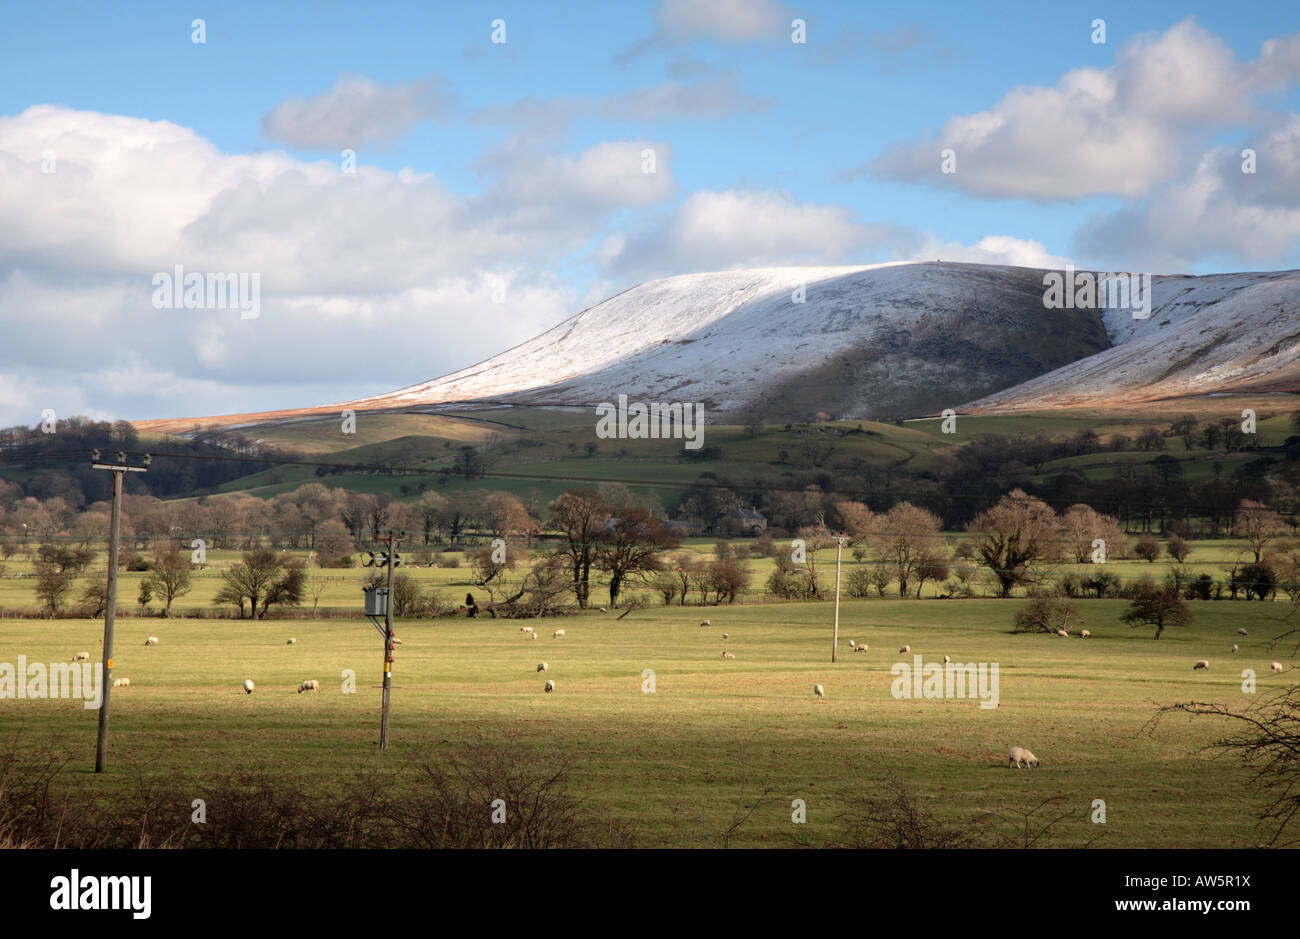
(341, 587)
(679, 764)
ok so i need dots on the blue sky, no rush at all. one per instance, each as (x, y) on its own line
(517, 167)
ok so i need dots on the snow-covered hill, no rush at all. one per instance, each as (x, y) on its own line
(1215, 334)
(880, 341)
(871, 341)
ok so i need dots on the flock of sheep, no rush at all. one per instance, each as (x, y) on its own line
(1205, 663)
(530, 633)
(1018, 757)
(311, 684)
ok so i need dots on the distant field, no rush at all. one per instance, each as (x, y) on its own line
(551, 450)
(1272, 415)
(342, 590)
(555, 447)
(679, 764)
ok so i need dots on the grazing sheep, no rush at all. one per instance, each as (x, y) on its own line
(946, 660)
(310, 684)
(121, 683)
(248, 686)
(81, 657)
(604, 609)
(1275, 666)
(1020, 758)
(819, 691)
(557, 634)
(728, 655)
(851, 644)
(396, 641)
(151, 641)
(725, 636)
(1084, 633)
(550, 686)
(705, 623)
(1063, 632)
(1201, 663)
(1241, 632)
(1234, 647)
(904, 649)
(542, 666)
(860, 648)
(290, 641)
(525, 629)
(532, 635)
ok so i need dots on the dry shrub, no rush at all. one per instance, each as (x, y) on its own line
(431, 805)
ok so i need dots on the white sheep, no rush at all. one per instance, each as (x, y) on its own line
(310, 684)
(396, 641)
(290, 641)
(1084, 633)
(1275, 666)
(550, 686)
(1021, 758)
(542, 666)
(532, 635)
(819, 691)
(248, 686)
(851, 644)
(121, 683)
(1065, 633)
(862, 647)
(1234, 647)
(557, 634)
(604, 609)
(1201, 663)
(151, 641)
(904, 649)
(525, 629)
(946, 660)
(725, 636)
(705, 623)
(1241, 632)
(728, 655)
(81, 657)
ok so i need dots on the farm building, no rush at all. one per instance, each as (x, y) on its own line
(740, 523)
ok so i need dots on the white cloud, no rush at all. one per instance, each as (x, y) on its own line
(715, 96)
(991, 249)
(718, 230)
(354, 113)
(1116, 131)
(356, 269)
(681, 21)
(727, 20)
(1216, 209)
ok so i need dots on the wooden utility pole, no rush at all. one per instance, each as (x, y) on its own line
(119, 470)
(839, 549)
(390, 559)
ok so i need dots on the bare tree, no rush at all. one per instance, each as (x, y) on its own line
(264, 579)
(906, 538)
(1269, 742)
(1015, 534)
(631, 547)
(581, 515)
(1156, 605)
(1046, 613)
(314, 585)
(1258, 525)
(170, 576)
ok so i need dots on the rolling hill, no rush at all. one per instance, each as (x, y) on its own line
(878, 341)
